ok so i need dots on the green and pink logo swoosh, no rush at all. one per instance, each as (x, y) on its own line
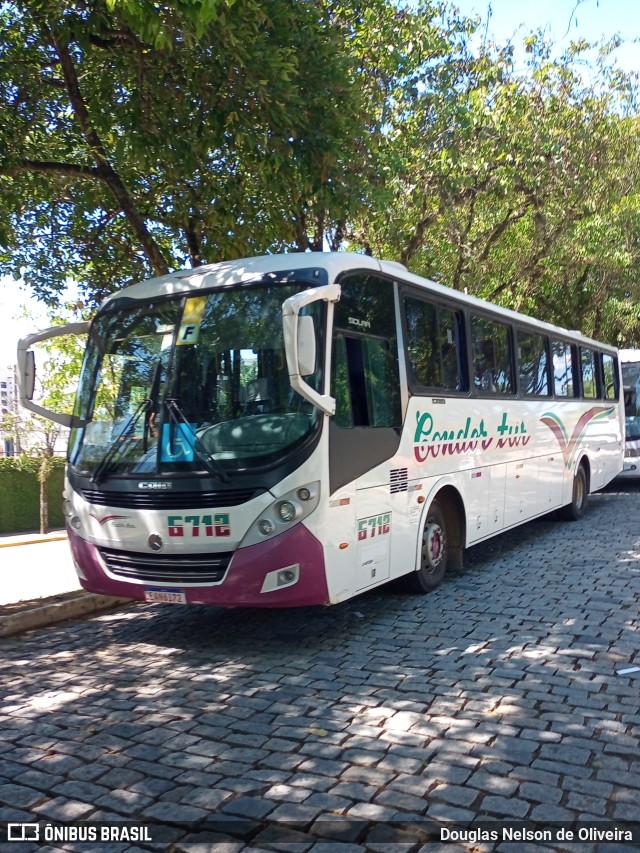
(569, 445)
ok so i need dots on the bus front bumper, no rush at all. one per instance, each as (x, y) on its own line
(286, 571)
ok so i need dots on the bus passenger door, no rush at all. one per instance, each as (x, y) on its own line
(363, 437)
(364, 433)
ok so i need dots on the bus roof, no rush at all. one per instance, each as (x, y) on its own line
(229, 273)
(629, 355)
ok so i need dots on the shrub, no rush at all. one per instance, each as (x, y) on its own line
(20, 494)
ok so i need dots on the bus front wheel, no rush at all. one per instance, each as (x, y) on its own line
(579, 496)
(433, 553)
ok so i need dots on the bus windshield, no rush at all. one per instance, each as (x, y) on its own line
(195, 383)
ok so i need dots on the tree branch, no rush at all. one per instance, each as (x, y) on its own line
(193, 243)
(115, 39)
(99, 154)
(498, 230)
(462, 243)
(415, 241)
(49, 167)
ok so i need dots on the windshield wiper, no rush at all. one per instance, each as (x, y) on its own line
(117, 444)
(177, 417)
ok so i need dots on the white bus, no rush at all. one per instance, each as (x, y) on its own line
(296, 429)
(630, 363)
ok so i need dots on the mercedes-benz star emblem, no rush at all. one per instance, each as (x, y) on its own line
(155, 542)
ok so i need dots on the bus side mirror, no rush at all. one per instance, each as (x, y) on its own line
(28, 379)
(300, 342)
(306, 345)
(27, 369)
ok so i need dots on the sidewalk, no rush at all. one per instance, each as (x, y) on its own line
(63, 597)
(9, 539)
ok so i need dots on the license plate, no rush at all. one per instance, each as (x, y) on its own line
(165, 596)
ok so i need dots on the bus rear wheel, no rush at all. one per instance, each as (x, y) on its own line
(579, 496)
(434, 553)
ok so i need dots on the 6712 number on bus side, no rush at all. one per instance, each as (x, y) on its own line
(375, 525)
(210, 525)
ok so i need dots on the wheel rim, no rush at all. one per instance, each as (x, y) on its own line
(580, 492)
(433, 547)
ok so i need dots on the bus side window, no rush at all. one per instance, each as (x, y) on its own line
(492, 362)
(433, 345)
(610, 389)
(364, 379)
(533, 362)
(588, 373)
(340, 383)
(564, 380)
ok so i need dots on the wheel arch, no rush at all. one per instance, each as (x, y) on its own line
(586, 464)
(575, 508)
(452, 506)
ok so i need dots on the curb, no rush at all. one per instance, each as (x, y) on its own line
(38, 541)
(58, 611)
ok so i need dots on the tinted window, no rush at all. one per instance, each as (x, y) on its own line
(366, 379)
(610, 377)
(492, 371)
(564, 384)
(588, 372)
(533, 362)
(433, 345)
(340, 383)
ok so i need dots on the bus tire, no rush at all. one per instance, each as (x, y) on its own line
(579, 496)
(434, 553)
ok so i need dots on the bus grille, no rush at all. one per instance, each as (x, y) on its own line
(169, 500)
(167, 568)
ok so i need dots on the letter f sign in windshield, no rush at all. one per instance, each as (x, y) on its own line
(192, 315)
(188, 333)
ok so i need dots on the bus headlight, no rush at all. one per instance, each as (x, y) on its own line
(265, 527)
(283, 513)
(287, 511)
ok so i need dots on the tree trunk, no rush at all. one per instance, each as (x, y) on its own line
(44, 504)
(44, 473)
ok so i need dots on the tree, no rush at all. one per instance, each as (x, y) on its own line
(126, 145)
(519, 188)
(138, 138)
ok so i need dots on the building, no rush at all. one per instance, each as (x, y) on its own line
(8, 411)
(20, 432)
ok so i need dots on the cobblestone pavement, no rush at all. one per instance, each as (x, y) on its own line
(498, 696)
